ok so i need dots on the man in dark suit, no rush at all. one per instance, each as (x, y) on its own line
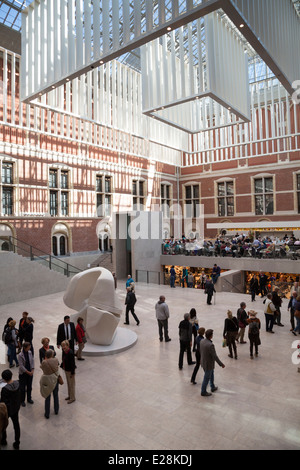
(209, 290)
(263, 279)
(66, 331)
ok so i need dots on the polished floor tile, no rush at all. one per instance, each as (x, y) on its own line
(138, 399)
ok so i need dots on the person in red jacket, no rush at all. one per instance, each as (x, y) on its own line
(81, 338)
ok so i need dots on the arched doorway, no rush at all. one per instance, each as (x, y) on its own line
(104, 234)
(59, 244)
(104, 242)
(6, 231)
(60, 240)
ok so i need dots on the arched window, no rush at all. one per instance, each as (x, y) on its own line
(60, 239)
(6, 231)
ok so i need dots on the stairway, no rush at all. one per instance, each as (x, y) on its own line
(21, 279)
(104, 260)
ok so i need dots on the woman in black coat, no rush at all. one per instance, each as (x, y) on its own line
(230, 332)
(254, 287)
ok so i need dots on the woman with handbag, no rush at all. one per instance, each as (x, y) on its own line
(230, 333)
(81, 338)
(49, 381)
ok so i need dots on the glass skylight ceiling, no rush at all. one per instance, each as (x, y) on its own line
(10, 13)
(10, 16)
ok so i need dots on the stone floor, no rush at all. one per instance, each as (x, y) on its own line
(139, 399)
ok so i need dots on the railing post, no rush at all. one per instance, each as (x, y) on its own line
(68, 272)
(31, 253)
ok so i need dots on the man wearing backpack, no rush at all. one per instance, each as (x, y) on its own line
(253, 332)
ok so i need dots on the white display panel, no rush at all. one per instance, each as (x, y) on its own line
(197, 88)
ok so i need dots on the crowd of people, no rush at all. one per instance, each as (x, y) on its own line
(240, 245)
(20, 353)
(192, 335)
(193, 338)
(186, 278)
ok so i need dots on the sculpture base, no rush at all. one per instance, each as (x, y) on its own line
(124, 339)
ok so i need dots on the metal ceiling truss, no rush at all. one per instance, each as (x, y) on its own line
(64, 39)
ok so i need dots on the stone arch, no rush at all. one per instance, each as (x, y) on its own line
(224, 231)
(104, 232)
(166, 229)
(61, 239)
(7, 230)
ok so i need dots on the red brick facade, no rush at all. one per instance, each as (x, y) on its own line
(33, 153)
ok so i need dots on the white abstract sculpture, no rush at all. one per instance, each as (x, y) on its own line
(92, 294)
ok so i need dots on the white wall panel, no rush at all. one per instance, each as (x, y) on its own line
(219, 76)
(91, 30)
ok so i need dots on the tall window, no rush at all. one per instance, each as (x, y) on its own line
(225, 199)
(165, 195)
(59, 192)
(53, 178)
(64, 203)
(264, 199)
(7, 173)
(298, 193)
(64, 179)
(138, 192)
(7, 189)
(54, 203)
(103, 195)
(192, 200)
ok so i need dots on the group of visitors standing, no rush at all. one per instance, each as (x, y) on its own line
(234, 331)
(14, 337)
(190, 336)
(235, 327)
(15, 393)
(192, 339)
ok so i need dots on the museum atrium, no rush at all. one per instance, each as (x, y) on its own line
(137, 135)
